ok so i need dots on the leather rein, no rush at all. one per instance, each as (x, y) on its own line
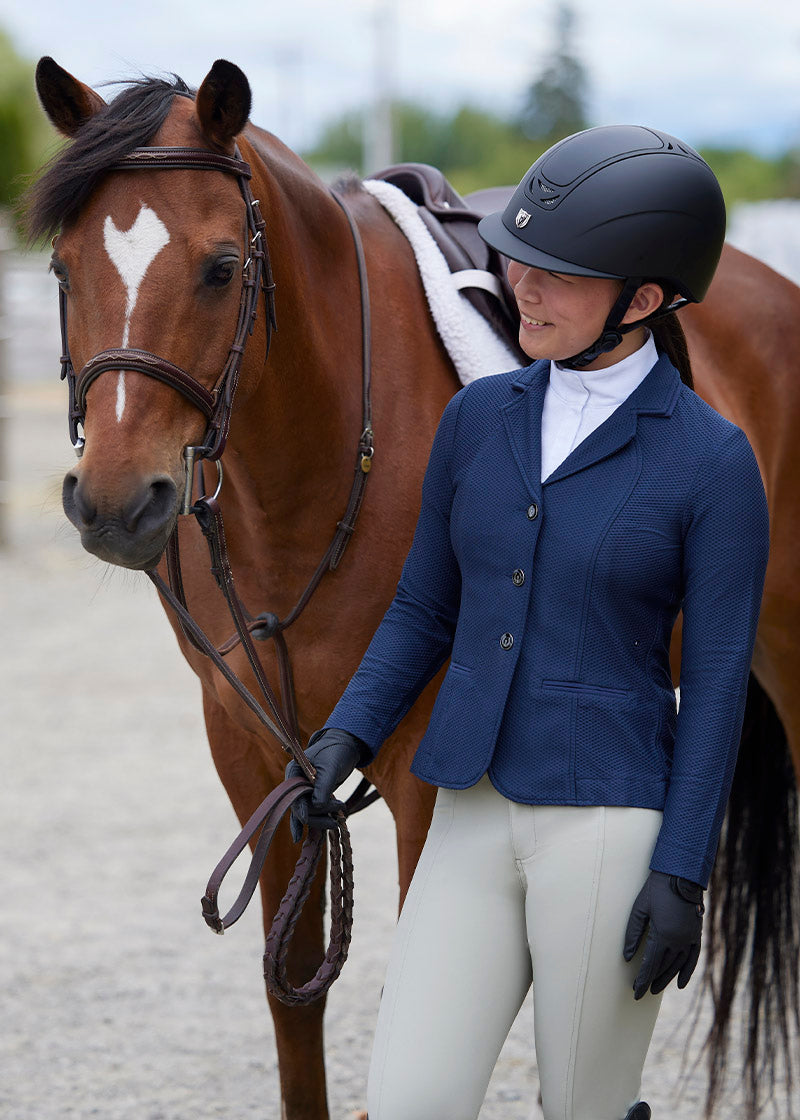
(281, 721)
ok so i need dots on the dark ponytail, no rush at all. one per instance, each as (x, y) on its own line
(669, 337)
(670, 340)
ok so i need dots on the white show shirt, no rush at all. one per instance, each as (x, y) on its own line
(576, 401)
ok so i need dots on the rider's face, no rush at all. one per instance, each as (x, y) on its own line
(561, 315)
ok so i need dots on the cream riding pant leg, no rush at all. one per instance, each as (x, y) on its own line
(504, 893)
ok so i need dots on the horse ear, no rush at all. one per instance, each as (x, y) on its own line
(68, 103)
(223, 103)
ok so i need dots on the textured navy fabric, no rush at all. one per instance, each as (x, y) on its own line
(559, 682)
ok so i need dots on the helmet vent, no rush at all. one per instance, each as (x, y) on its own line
(544, 194)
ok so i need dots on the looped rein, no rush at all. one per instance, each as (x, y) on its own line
(267, 818)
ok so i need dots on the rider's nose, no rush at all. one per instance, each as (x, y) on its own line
(528, 286)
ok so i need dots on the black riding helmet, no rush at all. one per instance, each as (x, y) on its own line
(622, 202)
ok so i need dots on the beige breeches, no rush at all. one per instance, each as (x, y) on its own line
(505, 895)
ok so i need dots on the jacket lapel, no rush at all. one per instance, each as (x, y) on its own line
(655, 395)
(523, 421)
(616, 430)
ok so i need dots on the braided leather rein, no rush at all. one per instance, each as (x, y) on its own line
(216, 405)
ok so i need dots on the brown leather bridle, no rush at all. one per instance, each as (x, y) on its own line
(216, 405)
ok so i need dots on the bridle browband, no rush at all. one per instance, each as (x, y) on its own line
(216, 405)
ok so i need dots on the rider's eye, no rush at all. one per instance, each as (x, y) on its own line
(220, 273)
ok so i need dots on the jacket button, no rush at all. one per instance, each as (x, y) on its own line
(518, 578)
(533, 511)
(507, 641)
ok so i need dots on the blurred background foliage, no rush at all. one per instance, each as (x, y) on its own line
(473, 147)
(26, 137)
(476, 149)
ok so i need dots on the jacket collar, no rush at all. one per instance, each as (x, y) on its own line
(655, 395)
(606, 388)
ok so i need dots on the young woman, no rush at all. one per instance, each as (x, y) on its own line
(569, 511)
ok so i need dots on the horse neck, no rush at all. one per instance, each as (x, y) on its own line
(295, 433)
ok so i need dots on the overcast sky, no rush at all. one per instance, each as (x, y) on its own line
(709, 71)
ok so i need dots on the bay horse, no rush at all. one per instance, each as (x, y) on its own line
(155, 258)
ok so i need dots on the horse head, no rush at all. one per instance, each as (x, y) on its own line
(148, 262)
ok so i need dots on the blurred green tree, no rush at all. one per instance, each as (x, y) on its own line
(474, 148)
(340, 144)
(420, 135)
(25, 134)
(747, 177)
(555, 103)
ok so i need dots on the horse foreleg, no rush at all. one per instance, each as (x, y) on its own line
(248, 773)
(298, 1030)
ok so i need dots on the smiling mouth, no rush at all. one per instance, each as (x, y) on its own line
(532, 322)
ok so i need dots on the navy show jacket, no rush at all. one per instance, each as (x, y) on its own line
(555, 601)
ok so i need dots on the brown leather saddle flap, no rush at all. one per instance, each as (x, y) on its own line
(453, 223)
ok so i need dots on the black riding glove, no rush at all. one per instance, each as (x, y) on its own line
(674, 909)
(335, 755)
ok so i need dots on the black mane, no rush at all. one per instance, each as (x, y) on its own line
(129, 121)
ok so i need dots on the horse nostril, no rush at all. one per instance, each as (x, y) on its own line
(77, 505)
(154, 504)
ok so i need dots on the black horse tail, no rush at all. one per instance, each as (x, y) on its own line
(753, 924)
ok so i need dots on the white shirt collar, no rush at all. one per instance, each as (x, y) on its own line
(605, 388)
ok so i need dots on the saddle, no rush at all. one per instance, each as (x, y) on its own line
(478, 270)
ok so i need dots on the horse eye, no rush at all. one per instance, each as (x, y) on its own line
(220, 273)
(60, 273)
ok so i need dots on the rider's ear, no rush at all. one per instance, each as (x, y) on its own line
(68, 103)
(223, 104)
(648, 298)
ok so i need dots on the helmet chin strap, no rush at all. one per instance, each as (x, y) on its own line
(613, 330)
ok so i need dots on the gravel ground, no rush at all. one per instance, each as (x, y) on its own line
(119, 1003)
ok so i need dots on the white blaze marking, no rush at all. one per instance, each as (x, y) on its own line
(120, 395)
(132, 252)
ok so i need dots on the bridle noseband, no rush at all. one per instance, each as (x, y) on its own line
(215, 404)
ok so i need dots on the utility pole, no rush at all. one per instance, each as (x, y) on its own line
(379, 148)
(5, 244)
(288, 62)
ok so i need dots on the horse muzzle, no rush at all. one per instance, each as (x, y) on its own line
(131, 530)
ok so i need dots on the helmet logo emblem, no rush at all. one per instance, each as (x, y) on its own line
(522, 218)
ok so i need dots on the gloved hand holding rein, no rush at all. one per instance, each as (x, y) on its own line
(335, 755)
(671, 909)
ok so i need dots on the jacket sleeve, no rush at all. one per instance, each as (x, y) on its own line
(725, 551)
(415, 636)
